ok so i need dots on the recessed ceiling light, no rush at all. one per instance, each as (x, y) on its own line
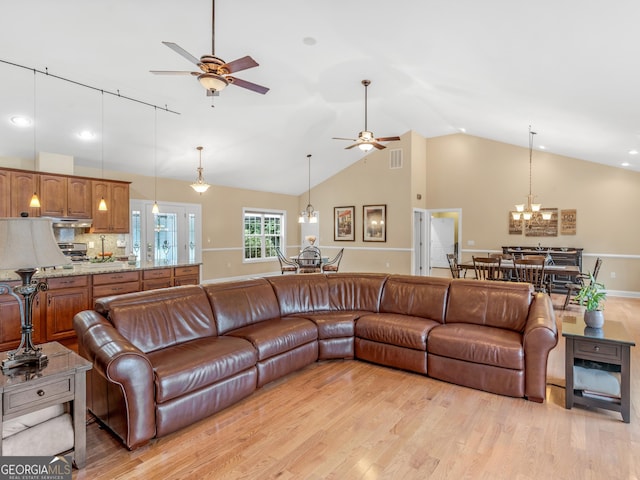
(309, 41)
(20, 121)
(625, 164)
(463, 130)
(633, 152)
(542, 147)
(86, 135)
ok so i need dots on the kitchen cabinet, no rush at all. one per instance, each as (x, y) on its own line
(187, 275)
(65, 297)
(10, 324)
(157, 278)
(63, 196)
(5, 193)
(116, 283)
(116, 218)
(23, 185)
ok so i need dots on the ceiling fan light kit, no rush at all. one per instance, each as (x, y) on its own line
(366, 141)
(215, 73)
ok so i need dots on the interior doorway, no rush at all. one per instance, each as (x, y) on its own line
(434, 234)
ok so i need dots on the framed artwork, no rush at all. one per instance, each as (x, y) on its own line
(344, 224)
(374, 223)
(537, 227)
(568, 221)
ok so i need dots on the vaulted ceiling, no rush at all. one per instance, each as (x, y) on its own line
(570, 69)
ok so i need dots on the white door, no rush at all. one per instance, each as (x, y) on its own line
(442, 241)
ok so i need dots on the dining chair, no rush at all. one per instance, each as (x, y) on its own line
(487, 268)
(531, 270)
(507, 274)
(309, 260)
(573, 288)
(456, 269)
(286, 264)
(333, 264)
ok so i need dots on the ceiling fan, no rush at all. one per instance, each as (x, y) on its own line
(366, 141)
(215, 73)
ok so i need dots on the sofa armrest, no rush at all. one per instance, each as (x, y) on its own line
(539, 338)
(124, 367)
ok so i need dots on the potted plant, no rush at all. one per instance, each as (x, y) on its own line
(592, 295)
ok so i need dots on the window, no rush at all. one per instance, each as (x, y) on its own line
(263, 234)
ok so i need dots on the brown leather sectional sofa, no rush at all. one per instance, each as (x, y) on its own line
(164, 359)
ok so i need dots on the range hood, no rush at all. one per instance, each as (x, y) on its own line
(68, 222)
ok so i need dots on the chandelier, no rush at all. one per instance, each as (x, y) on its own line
(200, 185)
(308, 214)
(526, 212)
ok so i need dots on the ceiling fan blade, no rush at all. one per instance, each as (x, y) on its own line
(387, 139)
(349, 139)
(240, 64)
(174, 72)
(377, 145)
(181, 51)
(351, 146)
(248, 85)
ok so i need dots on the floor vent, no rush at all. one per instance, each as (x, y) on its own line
(395, 158)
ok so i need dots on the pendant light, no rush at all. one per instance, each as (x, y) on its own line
(155, 209)
(102, 206)
(308, 214)
(35, 201)
(526, 212)
(200, 185)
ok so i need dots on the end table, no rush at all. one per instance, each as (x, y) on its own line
(61, 380)
(605, 349)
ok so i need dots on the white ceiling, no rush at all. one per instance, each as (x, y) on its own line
(570, 69)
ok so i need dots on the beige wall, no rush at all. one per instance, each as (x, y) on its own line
(486, 178)
(481, 177)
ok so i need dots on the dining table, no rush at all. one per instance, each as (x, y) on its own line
(507, 266)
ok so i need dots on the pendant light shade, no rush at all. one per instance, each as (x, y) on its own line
(308, 214)
(200, 185)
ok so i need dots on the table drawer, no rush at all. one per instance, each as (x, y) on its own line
(116, 289)
(599, 351)
(115, 277)
(66, 282)
(156, 273)
(187, 271)
(55, 391)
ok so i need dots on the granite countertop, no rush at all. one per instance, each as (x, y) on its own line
(87, 268)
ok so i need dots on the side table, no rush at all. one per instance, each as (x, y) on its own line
(607, 349)
(61, 380)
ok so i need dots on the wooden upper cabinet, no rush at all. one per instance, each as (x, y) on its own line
(116, 218)
(23, 185)
(63, 196)
(79, 197)
(5, 193)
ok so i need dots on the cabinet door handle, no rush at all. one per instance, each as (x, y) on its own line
(596, 348)
(40, 393)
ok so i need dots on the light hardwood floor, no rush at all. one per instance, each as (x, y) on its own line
(353, 420)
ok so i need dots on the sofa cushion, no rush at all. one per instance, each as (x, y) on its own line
(334, 324)
(158, 319)
(301, 293)
(355, 291)
(478, 344)
(190, 366)
(395, 329)
(491, 303)
(278, 335)
(242, 303)
(416, 296)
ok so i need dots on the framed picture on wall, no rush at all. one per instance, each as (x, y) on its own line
(344, 224)
(374, 223)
